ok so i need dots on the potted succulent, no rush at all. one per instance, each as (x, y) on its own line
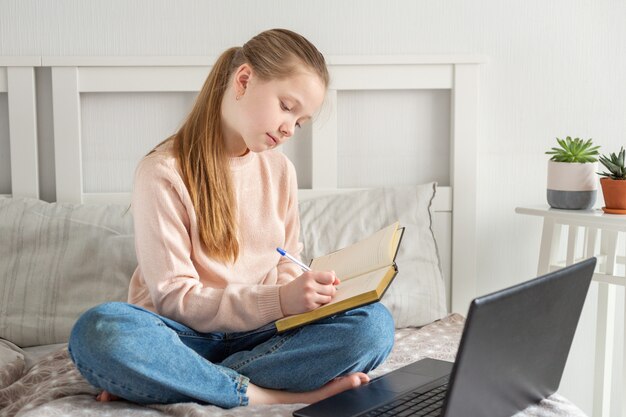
(572, 179)
(614, 183)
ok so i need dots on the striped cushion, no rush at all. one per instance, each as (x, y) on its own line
(56, 261)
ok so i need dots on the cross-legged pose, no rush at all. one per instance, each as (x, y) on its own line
(211, 204)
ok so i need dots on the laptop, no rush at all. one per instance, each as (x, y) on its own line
(512, 353)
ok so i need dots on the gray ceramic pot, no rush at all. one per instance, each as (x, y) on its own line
(572, 186)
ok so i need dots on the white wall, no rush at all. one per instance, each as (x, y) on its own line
(555, 68)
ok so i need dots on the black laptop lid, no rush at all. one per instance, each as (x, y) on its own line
(515, 344)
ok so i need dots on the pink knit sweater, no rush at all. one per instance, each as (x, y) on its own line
(175, 277)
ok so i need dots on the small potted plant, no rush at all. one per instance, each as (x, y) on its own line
(614, 182)
(572, 179)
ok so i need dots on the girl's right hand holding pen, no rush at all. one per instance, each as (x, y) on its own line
(310, 290)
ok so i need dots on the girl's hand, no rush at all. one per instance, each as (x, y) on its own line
(307, 292)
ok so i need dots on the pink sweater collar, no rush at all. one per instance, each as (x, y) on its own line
(239, 162)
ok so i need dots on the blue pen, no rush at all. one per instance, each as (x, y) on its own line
(292, 259)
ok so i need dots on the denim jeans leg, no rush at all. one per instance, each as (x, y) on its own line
(145, 358)
(308, 357)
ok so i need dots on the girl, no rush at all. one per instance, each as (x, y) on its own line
(211, 204)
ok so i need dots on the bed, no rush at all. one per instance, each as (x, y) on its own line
(37, 377)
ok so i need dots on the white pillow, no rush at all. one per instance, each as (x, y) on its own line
(56, 261)
(417, 296)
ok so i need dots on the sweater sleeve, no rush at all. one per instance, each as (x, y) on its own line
(163, 245)
(287, 270)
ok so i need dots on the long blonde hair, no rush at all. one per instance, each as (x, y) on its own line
(199, 144)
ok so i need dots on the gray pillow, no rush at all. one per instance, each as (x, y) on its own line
(417, 296)
(58, 260)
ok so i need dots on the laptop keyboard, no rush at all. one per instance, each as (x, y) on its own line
(426, 404)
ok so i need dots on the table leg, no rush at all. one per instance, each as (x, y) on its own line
(550, 240)
(572, 243)
(605, 332)
(605, 338)
(591, 238)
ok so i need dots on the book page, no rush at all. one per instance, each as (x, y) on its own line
(373, 252)
(362, 284)
(361, 290)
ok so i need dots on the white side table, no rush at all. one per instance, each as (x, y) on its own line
(605, 229)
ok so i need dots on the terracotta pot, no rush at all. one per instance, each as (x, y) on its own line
(614, 192)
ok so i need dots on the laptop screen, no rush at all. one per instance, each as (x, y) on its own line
(515, 343)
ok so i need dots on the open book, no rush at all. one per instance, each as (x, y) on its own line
(365, 270)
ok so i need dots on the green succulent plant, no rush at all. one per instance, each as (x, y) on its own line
(574, 150)
(615, 165)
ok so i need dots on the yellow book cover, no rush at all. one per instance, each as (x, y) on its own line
(365, 270)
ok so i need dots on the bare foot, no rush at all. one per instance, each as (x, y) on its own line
(106, 396)
(258, 395)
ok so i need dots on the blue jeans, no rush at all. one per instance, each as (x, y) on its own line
(146, 358)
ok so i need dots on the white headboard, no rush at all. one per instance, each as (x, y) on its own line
(17, 80)
(454, 206)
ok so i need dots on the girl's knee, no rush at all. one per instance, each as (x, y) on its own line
(96, 329)
(372, 329)
(378, 328)
(96, 319)
(369, 335)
